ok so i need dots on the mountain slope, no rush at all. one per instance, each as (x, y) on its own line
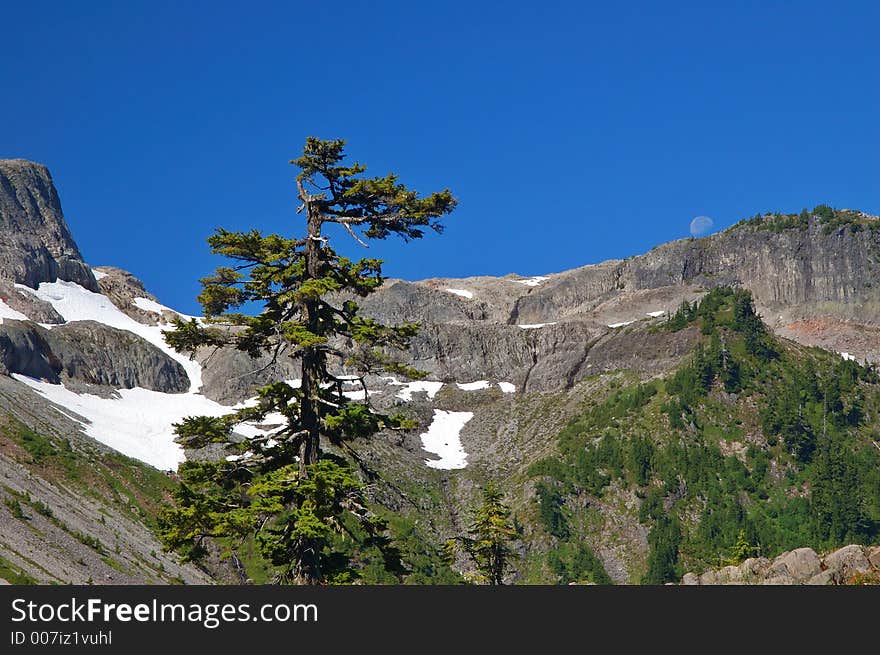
(576, 391)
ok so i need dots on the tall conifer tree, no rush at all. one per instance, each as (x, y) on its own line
(293, 497)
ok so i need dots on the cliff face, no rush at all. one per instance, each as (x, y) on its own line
(811, 284)
(37, 245)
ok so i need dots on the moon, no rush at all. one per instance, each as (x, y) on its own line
(701, 226)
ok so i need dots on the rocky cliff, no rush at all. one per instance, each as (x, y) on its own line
(813, 284)
(37, 245)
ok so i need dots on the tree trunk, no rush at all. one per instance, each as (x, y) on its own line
(312, 358)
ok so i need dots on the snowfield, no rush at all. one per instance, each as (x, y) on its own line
(410, 388)
(140, 423)
(443, 439)
(464, 293)
(75, 303)
(137, 424)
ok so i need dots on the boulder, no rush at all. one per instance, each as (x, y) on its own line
(846, 562)
(801, 564)
(874, 556)
(690, 579)
(822, 579)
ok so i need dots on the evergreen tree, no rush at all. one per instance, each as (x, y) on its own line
(489, 538)
(663, 540)
(282, 489)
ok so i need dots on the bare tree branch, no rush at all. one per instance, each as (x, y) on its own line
(355, 236)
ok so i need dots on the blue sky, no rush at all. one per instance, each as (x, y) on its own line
(571, 132)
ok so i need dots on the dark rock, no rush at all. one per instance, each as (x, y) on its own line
(24, 349)
(37, 245)
(88, 353)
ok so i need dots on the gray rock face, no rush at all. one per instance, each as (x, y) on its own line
(28, 304)
(796, 276)
(230, 376)
(25, 350)
(122, 288)
(37, 245)
(86, 353)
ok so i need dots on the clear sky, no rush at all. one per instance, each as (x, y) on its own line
(571, 132)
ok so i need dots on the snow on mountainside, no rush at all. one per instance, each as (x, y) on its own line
(137, 422)
(140, 422)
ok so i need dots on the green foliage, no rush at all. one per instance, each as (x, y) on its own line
(550, 500)
(490, 538)
(663, 541)
(15, 508)
(38, 447)
(575, 562)
(90, 541)
(304, 511)
(815, 481)
(741, 551)
(829, 218)
(14, 575)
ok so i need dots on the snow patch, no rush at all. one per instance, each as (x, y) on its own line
(657, 314)
(507, 387)
(99, 275)
(138, 423)
(7, 312)
(848, 357)
(410, 388)
(617, 325)
(461, 292)
(359, 394)
(473, 386)
(151, 305)
(533, 281)
(534, 326)
(443, 439)
(74, 303)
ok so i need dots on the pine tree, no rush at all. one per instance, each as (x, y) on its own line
(490, 538)
(282, 489)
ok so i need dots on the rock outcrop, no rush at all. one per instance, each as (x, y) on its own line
(123, 289)
(851, 564)
(37, 245)
(84, 354)
(798, 277)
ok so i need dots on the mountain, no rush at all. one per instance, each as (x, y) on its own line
(577, 391)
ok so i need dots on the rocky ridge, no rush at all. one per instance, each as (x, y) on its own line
(37, 245)
(852, 564)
